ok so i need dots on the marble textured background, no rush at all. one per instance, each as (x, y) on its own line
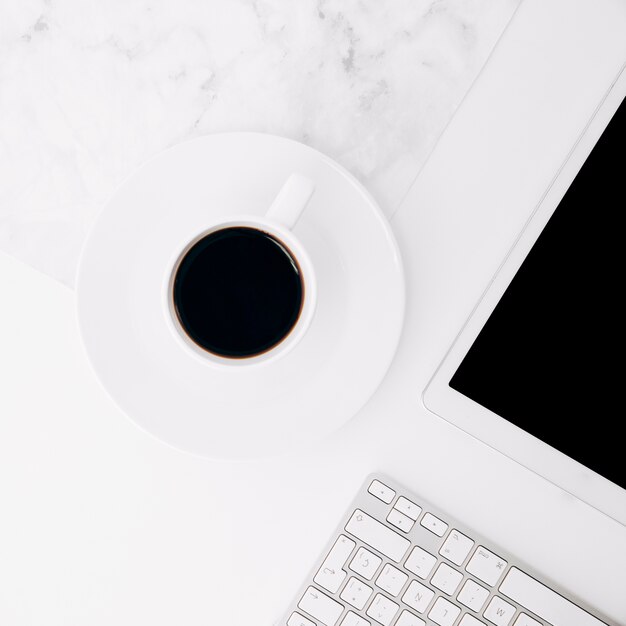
(90, 89)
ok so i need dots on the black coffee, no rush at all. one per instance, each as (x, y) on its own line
(238, 292)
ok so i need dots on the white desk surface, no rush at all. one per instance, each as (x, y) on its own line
(100, 524)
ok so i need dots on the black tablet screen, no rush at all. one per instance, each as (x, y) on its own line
(549, 358)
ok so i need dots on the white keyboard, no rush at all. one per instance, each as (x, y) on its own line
(398, 561)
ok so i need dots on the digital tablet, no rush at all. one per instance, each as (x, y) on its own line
(536, 371)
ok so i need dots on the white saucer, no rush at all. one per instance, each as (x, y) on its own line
(240, 412)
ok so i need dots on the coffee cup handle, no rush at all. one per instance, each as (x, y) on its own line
(291, 200)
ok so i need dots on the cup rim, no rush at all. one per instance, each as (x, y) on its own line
(284, 237)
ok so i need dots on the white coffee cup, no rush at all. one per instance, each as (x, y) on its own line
(278, 222)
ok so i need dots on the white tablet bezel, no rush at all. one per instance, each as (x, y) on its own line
(482, 423)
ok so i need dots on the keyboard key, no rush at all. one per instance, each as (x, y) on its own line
(408, 619)
(443, 612)
(382, 492)
(391, 580)
(456, 547)
(299, 620)
(410, 509)
(499, 612)
(446, 579)
(543, 602)
(356, 593)
(382, 610)
(434, 524)
(420, 563)
(526, 620)
(352, 619)
(365, 563)
(330, 575)
(473, 596)
(486, 566)
(320, 607)
(469, 620)
(378, 536)
(400, 520)
(417, 596)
